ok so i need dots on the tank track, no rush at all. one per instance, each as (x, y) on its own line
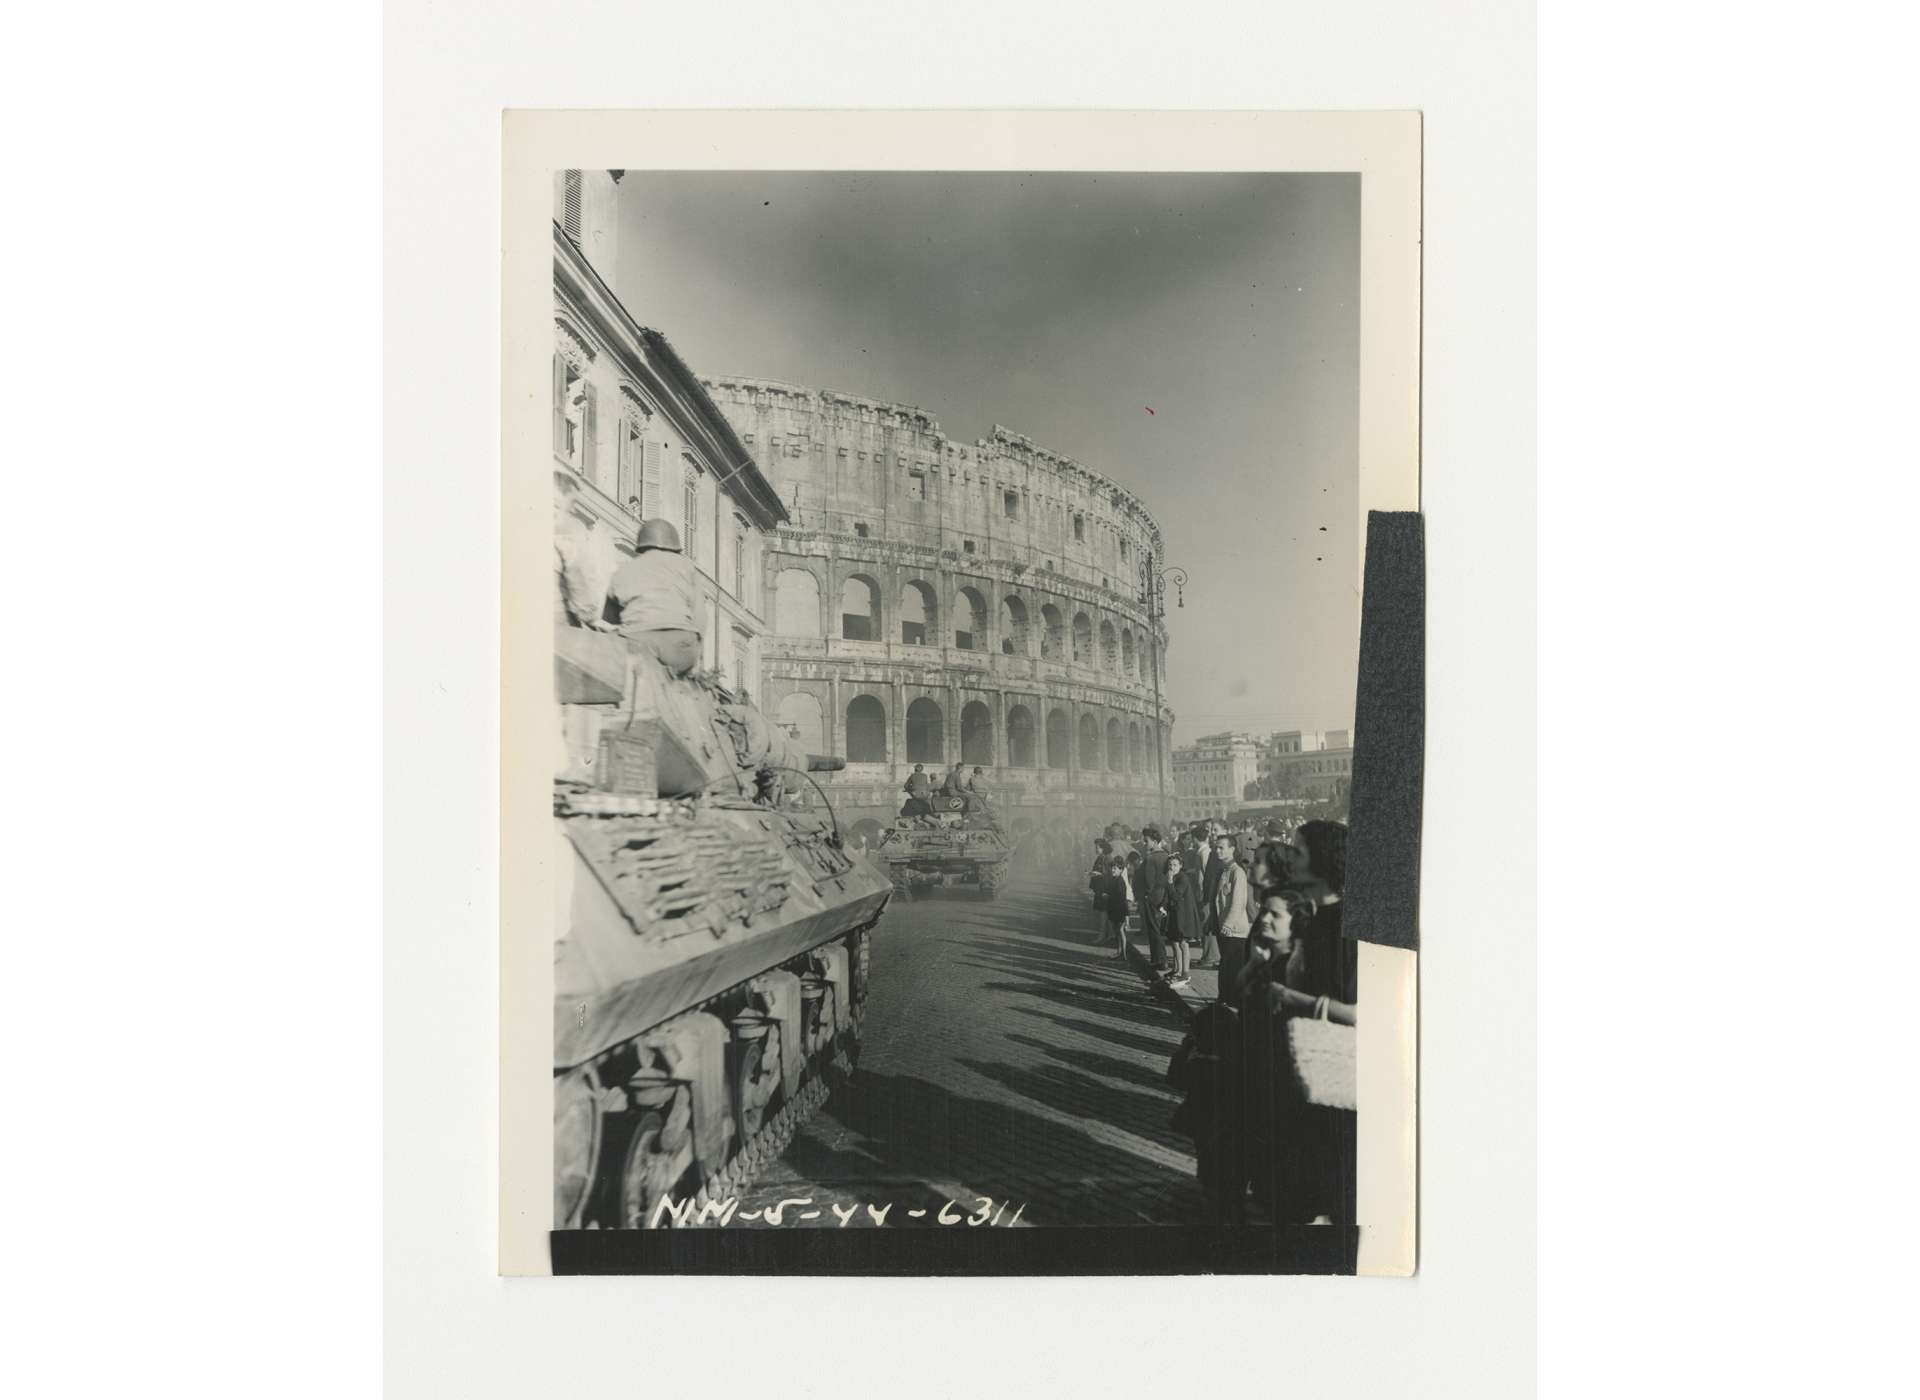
(751, 1158)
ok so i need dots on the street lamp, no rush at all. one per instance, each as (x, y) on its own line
(1154, 597)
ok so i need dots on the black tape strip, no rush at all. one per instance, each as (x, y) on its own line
(960, 1250)
(1389, 736)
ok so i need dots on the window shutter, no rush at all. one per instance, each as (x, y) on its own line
(559, 404)
(586, 435)
(570, 218)
(625, 485)
(650, 477)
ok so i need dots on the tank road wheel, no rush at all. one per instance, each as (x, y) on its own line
(756, 1077)
(649, 1173)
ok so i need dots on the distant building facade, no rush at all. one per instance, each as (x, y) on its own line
(1211, 774)
(936, 601)
(1300, 764)
(637, 437)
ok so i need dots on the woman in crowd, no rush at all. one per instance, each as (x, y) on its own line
(1183, 916)
(1277, 972)
(1302, 1155)
(1316, 866)
(1119, 896)
(1097, 881)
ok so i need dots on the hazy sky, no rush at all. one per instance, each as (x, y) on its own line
(1064, 307)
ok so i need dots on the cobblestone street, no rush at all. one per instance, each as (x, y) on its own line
(1006, 1058)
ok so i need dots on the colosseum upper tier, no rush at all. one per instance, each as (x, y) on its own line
(937, 601)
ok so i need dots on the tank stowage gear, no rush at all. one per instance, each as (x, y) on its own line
(710, 976)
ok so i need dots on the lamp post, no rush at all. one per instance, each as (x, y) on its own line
(1154, 597)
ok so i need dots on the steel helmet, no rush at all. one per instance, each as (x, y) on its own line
(658, 534)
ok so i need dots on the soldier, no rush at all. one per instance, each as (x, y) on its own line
(977, 790)
(919, 793)
(656, 590)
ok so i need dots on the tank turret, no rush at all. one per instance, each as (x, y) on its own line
(710, 978)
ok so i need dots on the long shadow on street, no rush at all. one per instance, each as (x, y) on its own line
(905, 1133)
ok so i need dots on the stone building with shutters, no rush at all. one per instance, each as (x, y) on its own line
(637, 437)
(937, 601)
(1211, 775)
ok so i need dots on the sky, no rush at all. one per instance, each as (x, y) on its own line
(1065, 306)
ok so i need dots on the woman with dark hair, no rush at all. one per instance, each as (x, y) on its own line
(1118, 904)
(1183, 916)
(1316, 867)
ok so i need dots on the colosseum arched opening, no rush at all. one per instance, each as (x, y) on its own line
(926, 732)
(860, 609)
(1013, 627)
(1059, 755)
(976, 734)
(1082, 640)
(1127, 668)
(1089, 742)
(1020, 736)
(796, 603)
(1116, 747)
(970, 621)
(1109, 647)
(866, 730)
(919, 615)
(1053, 634)
(1136, 751)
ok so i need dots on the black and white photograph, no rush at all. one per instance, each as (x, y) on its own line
(955, 591)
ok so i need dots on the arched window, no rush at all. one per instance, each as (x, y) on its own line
(860, 610)
(1082, 640)
(1089, 742)
(796, 604)
(866, 730)
(1136, 751)
(919, 615)
(1109, 647)
(1053, 634)
(1116, 747)
(976, 734)
(926, 732)
(1013, 627)
(1020, 736)
(970, 627)
(1126, 653)
(1059, 755)
(691, 506)
(800, 715)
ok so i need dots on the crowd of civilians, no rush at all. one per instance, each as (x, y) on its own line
(1264, 910)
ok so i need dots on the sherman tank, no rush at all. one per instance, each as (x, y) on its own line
(951, 846)
(710, 978)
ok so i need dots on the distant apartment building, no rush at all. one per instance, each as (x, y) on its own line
(1211, 775)
(1298, 763)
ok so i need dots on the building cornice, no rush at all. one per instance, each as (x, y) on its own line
(649, 358)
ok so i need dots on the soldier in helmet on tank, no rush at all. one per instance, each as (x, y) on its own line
(655, 591)
(955, 787)
(919, 790)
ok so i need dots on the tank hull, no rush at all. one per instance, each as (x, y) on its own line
(709, 990)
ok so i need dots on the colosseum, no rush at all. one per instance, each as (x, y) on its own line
(936, 601)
